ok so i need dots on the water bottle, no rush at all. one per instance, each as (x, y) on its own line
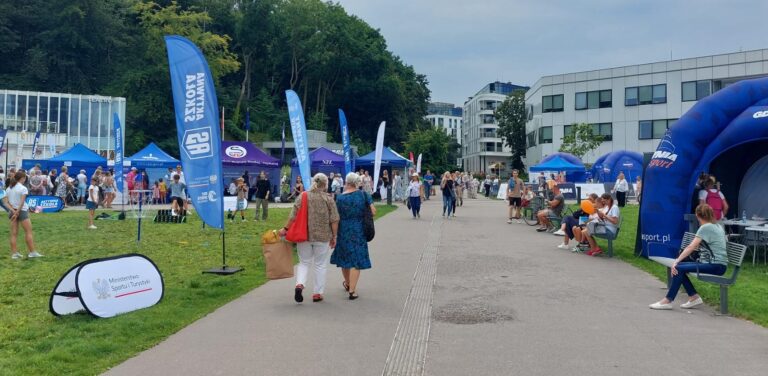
(744, 216)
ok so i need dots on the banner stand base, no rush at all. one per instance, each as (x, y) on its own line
(224, 270)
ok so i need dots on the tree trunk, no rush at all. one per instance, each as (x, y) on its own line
(246, 79)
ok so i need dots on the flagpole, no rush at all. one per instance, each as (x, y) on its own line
(247, 123)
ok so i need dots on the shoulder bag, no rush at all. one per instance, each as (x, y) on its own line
(368, 229)
(298, 232)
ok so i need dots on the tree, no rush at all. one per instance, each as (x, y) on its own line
(439, 151)
(581, 140)
(510, 116)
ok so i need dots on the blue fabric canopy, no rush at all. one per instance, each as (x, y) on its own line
(76, 158)
(576, 176)
(152, 157)
(557, 163)
(388, 158)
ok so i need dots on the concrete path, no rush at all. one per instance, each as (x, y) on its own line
(467, 296)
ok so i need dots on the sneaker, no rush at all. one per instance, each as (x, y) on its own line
(16, 256)
(563, 246)
(92, 227)
(317, 298)
(559, 232)
(596, 252)
(509, 221)
(519, 221)
(34, 254)
(173, 213)
(660, 305)
(541, 229)
(297, 294)
(692, 303)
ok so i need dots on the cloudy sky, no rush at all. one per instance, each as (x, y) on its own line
(461, 45)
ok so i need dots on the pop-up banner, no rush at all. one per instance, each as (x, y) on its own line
(45, 204)
(108, 287)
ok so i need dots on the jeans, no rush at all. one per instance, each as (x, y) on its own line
(447, 204)
(315, 254)
(570, 222)
(427, 190)
(415, 205)
(487, 189)
(682, 277)
(264, 205)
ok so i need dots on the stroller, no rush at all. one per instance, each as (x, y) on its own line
(71, 198)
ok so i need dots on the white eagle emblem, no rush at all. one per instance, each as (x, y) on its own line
(101, 286)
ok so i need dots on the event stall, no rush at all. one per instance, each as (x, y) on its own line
(606, 168)
(724, 134)
(76, 158)
(572, 176)
(389, 159)
(557, 163)
(237, 157)
(153, 160)
(320, 160)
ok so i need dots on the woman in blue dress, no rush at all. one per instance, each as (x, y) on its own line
(351, 253)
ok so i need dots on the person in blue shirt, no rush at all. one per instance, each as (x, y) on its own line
(428, 181)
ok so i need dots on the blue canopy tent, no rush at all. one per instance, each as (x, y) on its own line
(389, 158)
(572, 176)
(607, 167)
(557, 163)
(153, 160)
(321, 160)
(76, 158)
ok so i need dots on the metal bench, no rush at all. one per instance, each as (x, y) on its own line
(736, 254)
(607, 235)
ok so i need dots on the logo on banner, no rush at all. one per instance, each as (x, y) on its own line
(236, 151)
(760, 114)
(212, 196)
(101, 287)
(194, 97)
(327, 162)
(665, 155)
(197, 143)
(213, 179)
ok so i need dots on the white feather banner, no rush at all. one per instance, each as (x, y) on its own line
(379, 151)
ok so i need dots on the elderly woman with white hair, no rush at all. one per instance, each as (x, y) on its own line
(351, 253)
(322, 227)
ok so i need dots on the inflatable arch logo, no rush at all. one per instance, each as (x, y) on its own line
(734, 116)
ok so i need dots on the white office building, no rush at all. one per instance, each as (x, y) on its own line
(631, 107)
(446, 116)
(482, 150)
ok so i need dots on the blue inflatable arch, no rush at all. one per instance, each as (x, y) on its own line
(607, 167)
(724, 134)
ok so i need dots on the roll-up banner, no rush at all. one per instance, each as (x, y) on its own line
(45, 204)
(299, 132)
(194, 99)
(52, 144)
(108, 287)
(345, 143)
(418, 164)
(379, 151)
(34, 145)
(118, 152)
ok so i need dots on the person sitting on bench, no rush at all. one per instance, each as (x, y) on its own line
(607, 219)
(571, 222)
(713, 259)
(555, 209)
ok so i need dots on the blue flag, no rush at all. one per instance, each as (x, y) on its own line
(299, 131)
(118, 153)
(34, 145)
(345, 142)
(197, 128)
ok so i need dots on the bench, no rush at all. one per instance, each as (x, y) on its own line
(736, 254)
(607, 235)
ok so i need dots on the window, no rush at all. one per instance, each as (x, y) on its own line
(630, 96)
(593, 99)
(440, 122)
(645, 95)
(531, 139)
(654, 129)
(603, 129)
(568, 130)
(581, 101)
(660, 93)
(552, 103)
(696, 90)
(545, 135)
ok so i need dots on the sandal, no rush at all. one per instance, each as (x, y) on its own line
(317, 298)
(353, 295)
(346, 285)
(297, 294)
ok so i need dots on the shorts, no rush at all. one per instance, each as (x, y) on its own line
(108, 190)
(515, 201)
(90, 205)
(23, 215)
(178, 200)
(242, 204)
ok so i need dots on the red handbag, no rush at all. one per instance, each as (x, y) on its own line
(298, 232)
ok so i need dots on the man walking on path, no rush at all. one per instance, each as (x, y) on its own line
(514, 195)
(428, 181)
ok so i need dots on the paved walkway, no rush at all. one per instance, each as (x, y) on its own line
(466, 296)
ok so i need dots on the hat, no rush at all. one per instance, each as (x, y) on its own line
(415, 175)
(133, 168)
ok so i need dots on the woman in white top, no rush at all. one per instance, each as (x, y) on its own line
(19, 213)
(620, 188)
(607, 221)
(415, 194)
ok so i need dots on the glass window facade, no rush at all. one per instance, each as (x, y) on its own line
(79, 118)
(545, 135)
(654, 129)
(696, 90)
(552, 103)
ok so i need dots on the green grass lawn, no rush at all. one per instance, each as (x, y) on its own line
(748, 298)
(34, 342)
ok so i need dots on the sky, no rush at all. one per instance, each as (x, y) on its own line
(463, 45)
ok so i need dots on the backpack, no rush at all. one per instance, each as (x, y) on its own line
(716, 202)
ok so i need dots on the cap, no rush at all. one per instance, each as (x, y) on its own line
(415, 174)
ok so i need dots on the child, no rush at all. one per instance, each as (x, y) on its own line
(242, 202)
(156, 193)
(163, 192)
(15, 201)
(93, 201)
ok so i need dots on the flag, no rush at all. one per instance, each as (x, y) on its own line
(418, 165)
(20, 138)
(345, 142)
(34, 145)
(52, 144)
(118, 152)
(3, 133)
(299, 132)
(196, 107)
(379, 151)
(410, 156)
(282, 148)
